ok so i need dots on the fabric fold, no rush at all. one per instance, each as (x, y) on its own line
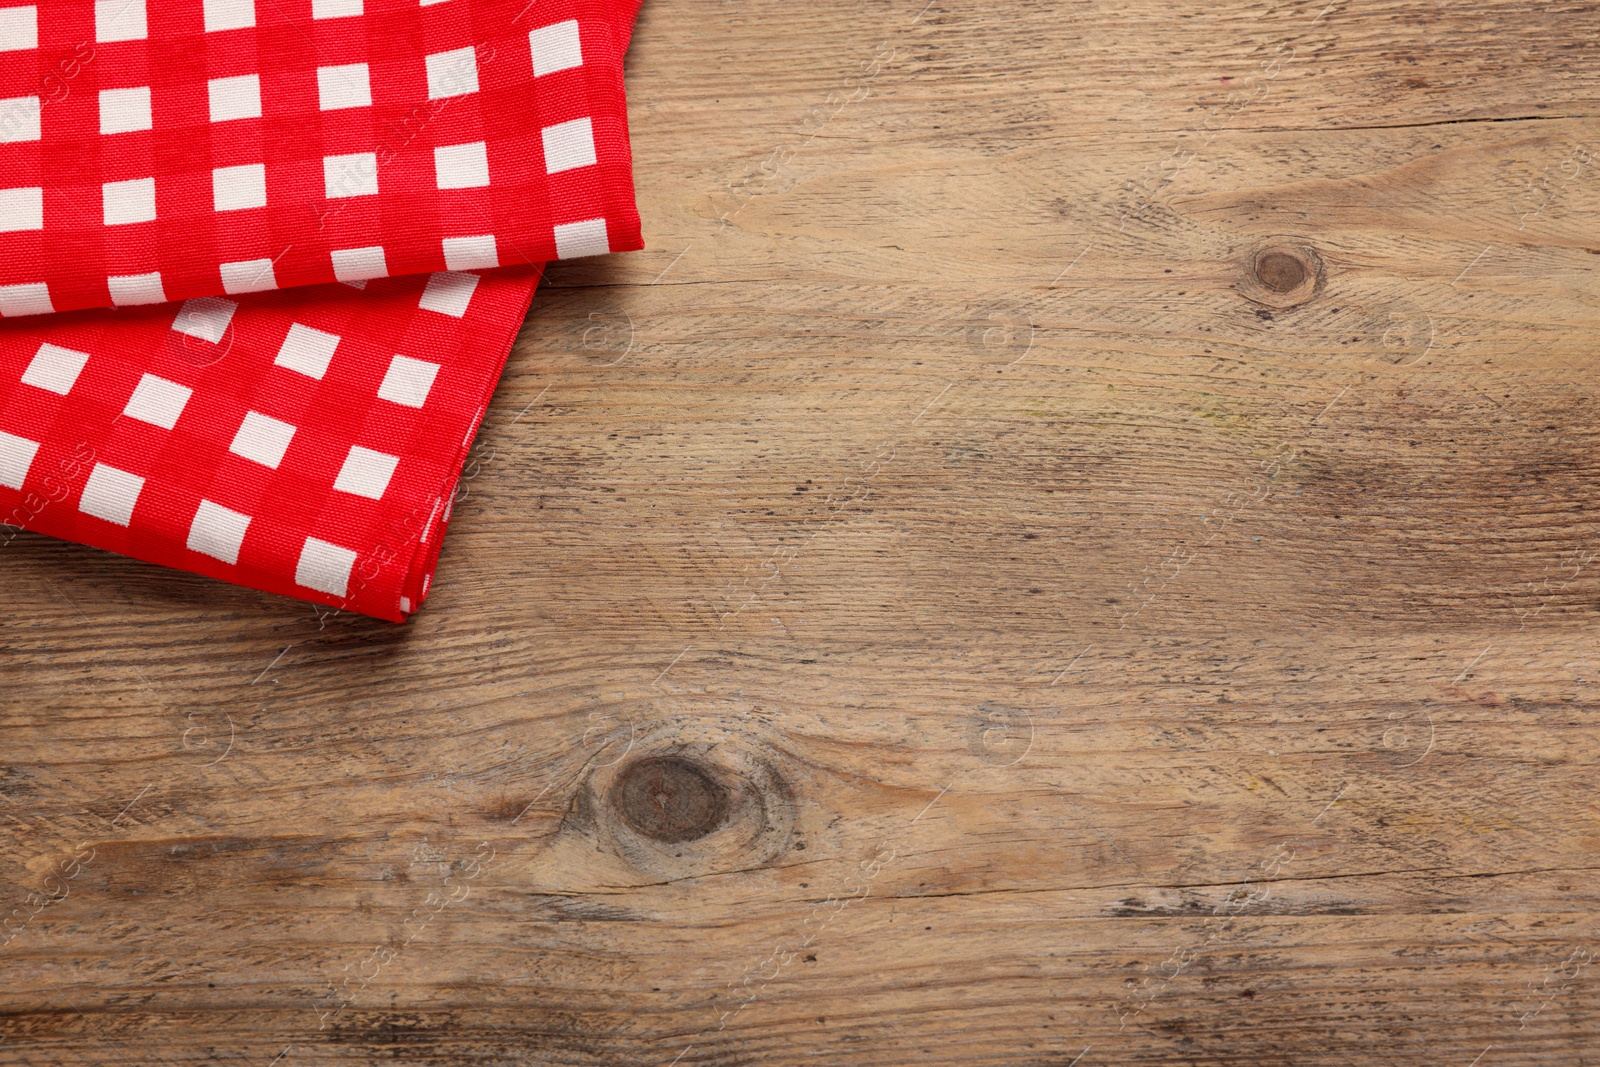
(272, 429)
(223, 147)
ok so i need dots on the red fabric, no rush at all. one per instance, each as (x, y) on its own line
(296, 150)
(305, 441)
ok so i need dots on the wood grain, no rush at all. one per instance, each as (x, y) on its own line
(954, 598)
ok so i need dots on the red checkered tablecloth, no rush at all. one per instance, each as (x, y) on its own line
(198, 172)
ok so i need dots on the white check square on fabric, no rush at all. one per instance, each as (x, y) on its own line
(236, 97)
(343, 86)
(19, 28)
(324, 567)
(54, 368)
(157, 401)
(335, 9)
(352, 175)
(130, 289)
(128, 202)
(247, 276)
(229, 15)
(110, 494)
(555, 48)
(453, 73)
(28, 298)
(449, 292)
(125, 110)
(568, 145)
(239, 188)
(16, 456)
(119, 20)
(359, 264)
(586, 238)
(470, 253)
(218, 532)
(366, 473)
(408, 381)
(262, 439)
(461, 166)
(19, 119)
(22, 209)
(307, 351)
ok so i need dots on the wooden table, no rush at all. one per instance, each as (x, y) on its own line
(1074, 545)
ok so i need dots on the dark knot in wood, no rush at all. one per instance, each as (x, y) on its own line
(1280, 271)
(669, 799)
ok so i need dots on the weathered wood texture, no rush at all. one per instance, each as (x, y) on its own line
(1084, 651)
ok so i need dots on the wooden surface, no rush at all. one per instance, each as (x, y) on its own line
(942, 603)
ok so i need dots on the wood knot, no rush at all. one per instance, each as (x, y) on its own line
(1283, 272)
(691, 794)
(1280, 271)
(669, 799)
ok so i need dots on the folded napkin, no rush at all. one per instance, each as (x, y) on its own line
(265, 426)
